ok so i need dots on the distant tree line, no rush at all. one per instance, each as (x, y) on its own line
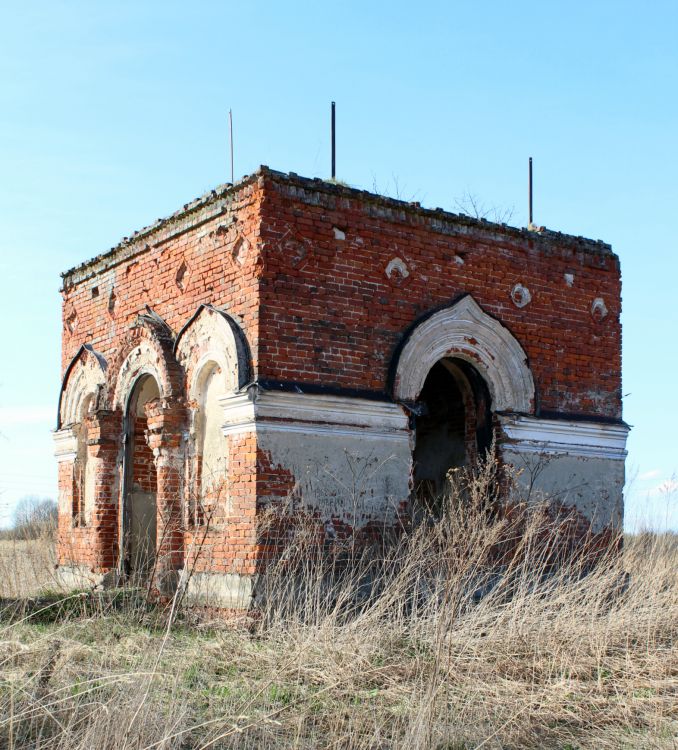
(33, 517)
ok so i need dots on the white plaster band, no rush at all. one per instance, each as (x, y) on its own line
(312, 410)
(65, 445)
(304, 429)
(309, 414)
(78, 577)
(565, 437)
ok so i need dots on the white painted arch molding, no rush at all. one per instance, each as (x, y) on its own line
(466, 332)
(85, 376)
(146, 358)
(212, 335)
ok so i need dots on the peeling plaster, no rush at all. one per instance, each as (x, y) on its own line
(343, 476)
(397, 265)
(598, 309)
(521, 295)
(592, 485)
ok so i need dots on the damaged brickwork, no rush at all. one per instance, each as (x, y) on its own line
(288, 340)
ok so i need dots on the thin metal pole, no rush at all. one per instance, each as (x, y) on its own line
(334, 142)
(230, 127)
(529, 193)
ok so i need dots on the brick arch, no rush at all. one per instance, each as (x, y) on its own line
(466, 332)
(211, 335)
(85, 378)
(146, 350)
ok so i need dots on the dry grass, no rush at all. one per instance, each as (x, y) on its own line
(453, 649)
(27, 566)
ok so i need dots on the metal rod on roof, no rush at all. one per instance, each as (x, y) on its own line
(230, 128)
(334, 142)
(529, 193)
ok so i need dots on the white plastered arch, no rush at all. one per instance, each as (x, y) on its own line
(212, 350)
(466, 332)
(211, 337)
(144, 359)
(85, 377)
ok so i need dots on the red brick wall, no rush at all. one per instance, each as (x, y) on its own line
(329, 314)
(173, 271)
(77, 544)
(95, 544)
(229, 544)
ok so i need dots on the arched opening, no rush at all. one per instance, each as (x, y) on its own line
(453, 429)
(140, 496)
(209, 444)
(480, 339)
(83, 469)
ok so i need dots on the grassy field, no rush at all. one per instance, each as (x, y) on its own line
(27, 566)
(454, 649)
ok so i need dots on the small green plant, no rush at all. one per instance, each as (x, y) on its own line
(280, 694)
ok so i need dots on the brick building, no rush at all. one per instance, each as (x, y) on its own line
(287, 336)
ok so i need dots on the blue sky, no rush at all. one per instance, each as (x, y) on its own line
(114, 114)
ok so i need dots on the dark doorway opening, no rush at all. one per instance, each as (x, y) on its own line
(453, 430)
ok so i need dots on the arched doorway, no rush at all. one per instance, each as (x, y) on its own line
(140, 484)
(453, 428)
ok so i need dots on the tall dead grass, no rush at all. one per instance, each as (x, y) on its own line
(27, 566)
(475, 630)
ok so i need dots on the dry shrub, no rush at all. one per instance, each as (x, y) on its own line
(469, 631)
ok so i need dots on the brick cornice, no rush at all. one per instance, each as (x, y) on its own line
(329, 194)
(220, 200)
(192, 215)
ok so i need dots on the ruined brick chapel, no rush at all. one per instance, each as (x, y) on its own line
(290, 337)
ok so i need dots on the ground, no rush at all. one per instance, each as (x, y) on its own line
(562, 661)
